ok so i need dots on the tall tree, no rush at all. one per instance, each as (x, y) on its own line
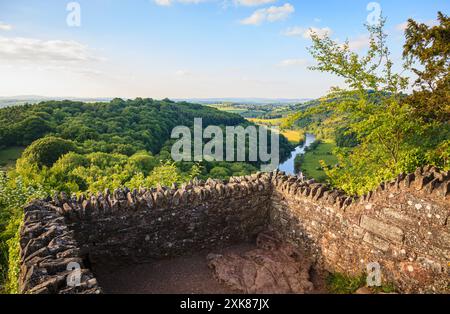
(391, 138)
(427, 52)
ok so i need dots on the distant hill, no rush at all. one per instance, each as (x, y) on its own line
(34, 99)
(247, 101)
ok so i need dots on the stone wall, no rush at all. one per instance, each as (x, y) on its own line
(140, 225)
(48, 247)
(134, 226)
(403, 226)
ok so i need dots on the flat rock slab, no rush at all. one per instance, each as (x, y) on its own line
(272, 267)
(185, 274)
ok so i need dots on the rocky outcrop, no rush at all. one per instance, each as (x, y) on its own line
(403, 225)
(274, 267)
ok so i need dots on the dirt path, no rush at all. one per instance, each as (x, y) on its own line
(186, 274)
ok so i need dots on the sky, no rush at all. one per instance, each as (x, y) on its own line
(185, 48)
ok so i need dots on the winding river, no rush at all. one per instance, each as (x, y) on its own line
(288, 165)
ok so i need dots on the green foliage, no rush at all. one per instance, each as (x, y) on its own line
(385, 288)
(427, 52)
(391, 136)
(220, 172)
(311, 163)
(120, 126)
(13, 244)
(345, 138)
(342, 284)
(14, 194)
(45, 151)
(339, 283)
(8, 156)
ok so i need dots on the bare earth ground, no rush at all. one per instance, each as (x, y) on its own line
(185, 274)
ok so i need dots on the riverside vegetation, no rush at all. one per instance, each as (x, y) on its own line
(380, 130)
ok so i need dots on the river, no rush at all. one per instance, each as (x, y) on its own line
(288, 165)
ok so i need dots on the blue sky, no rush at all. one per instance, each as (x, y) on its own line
(184, 48)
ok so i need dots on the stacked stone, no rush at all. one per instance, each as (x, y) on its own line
(403, 225)
(48, 250)
(317, 192)
(160, 198)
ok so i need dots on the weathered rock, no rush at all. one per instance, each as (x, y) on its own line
(271, 268)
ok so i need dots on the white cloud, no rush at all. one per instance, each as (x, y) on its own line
(306, 33)
(402, 26)
(292, 62)
(359, 42)
(294, 31)
(34, 50)
(167, 3)
(251, 3)
(5, 27)
(270, 14)
(163, 2)
(182, 73)
(74, 69)
(317, 20)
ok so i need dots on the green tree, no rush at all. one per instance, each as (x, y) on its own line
(427, 52)
(47, 150)
(392, 139)
(220, 172)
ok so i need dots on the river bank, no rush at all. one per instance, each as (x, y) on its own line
(289, 165)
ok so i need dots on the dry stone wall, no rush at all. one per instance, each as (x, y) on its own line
(403, 226)
(134, 226)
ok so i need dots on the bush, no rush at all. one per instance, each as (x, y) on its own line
(14, 194)
(46, 151)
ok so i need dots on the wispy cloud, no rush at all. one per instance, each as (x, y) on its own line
(302, 32)
(270, 14)
(163, 2)
(402, 26)
(181, 73)
(306, 33)
(360, 42)
(293, 62)
(35, 50)
(5, 27)
(170, 2)
(252, 3)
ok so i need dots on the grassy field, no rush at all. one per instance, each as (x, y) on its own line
(8, 156)
(310, 162)
(267, 122)
(294, 136)
(228, 108)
